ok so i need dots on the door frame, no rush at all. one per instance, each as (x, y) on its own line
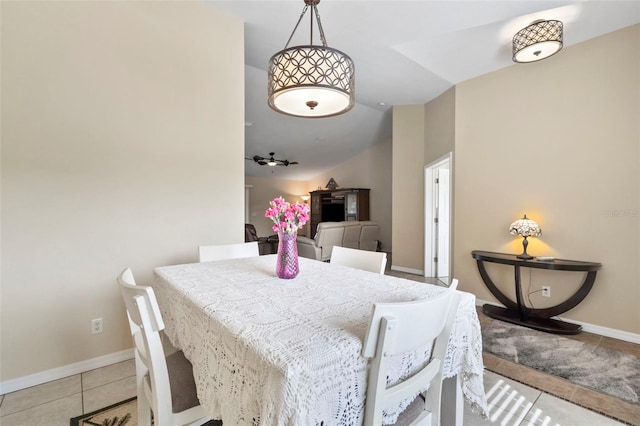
(430, 192)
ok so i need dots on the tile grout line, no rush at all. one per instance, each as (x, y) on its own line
(537, 398)
(82, 392)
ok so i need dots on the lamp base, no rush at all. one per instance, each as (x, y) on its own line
(524, 256)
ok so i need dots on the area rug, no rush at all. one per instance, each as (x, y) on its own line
(120, 414)
(124, 413)
(601, 369)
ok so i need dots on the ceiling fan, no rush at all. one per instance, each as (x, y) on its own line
(271, 161)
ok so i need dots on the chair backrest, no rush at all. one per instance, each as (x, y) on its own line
(351, 237)
(360, 259)
(228, 251)
(369, 235)
(146, 323)
(397, 328)
(454, 284)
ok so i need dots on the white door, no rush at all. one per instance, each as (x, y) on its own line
(442, 226)
(437, 238)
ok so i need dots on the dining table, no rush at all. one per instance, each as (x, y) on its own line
(271, 351)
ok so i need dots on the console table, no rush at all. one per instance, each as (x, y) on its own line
(515, 311)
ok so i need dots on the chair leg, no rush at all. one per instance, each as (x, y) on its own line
(452, 408)
(144, 411)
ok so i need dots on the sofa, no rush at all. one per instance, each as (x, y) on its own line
(361, 235)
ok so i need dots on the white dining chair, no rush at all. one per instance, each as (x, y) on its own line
(165, 385)
(228, 251)
(397, 328)
(454, 284)
(373, 261)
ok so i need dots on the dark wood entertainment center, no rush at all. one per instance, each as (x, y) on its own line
(337, 205)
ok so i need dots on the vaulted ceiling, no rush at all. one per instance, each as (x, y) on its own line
(405, 52)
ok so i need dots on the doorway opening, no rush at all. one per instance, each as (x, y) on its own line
(437, 226)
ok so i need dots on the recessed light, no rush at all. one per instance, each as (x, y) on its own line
(248, 124)
(381, 103)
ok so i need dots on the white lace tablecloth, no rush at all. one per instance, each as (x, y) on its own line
(267, 351)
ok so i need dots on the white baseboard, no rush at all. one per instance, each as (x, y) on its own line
(591, 328)
(64, 371)
(407, 270)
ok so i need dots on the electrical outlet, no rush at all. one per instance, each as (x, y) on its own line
(96, 326)
(546, 291)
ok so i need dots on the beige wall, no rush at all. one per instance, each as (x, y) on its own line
(427, 130)
(114, 116)
(263, 190)
(439, 140)
(408, 188)
(439, 126)
(369, 169)
(557, 140)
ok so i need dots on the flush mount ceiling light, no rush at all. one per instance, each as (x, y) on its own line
(311, 81)
(538, 41)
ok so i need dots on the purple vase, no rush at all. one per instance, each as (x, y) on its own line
(287, 262)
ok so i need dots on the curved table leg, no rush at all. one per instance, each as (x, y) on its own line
(539, 319)
(493, 289)
(571, 302)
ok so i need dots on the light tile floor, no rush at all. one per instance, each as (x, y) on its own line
(513, 403)
(55, 403)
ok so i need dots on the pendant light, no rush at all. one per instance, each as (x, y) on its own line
(311, 81)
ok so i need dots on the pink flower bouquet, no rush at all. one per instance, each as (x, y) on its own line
(287, 218)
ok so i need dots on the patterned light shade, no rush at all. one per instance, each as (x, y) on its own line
(525, 227)
(538, 41)
(311, 81)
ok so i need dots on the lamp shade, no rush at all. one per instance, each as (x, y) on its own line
(525, 227)
(538, 41)
(311, 81)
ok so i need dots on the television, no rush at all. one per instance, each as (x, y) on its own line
(333, 212)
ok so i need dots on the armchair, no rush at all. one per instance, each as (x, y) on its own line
(328, 234)
(265, 244)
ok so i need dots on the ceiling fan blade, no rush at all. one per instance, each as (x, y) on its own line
(271, 160)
